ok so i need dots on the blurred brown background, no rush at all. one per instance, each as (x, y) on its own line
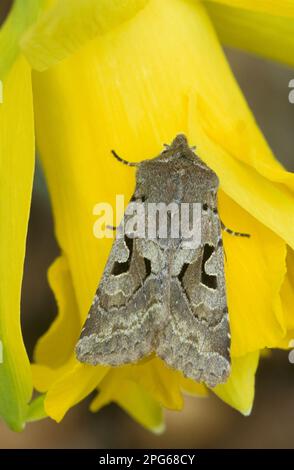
(204, 423)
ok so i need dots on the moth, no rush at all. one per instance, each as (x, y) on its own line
(158, 295)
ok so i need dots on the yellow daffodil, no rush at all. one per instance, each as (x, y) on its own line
(130, 75)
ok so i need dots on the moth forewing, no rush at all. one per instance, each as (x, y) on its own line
(158, 294)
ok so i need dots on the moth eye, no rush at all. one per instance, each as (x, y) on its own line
(120, 268)
(205, 207)
(206, 279)
(138, 198)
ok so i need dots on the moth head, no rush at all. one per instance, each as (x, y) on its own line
(179, 142)
(179, 146)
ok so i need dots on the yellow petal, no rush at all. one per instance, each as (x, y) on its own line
(228, 121)
(52, 349)
(269, 202)
(163, 383)
(274, 7)
(155, 382)
(16, 173)
(190, 387)
(264, 34)
(36, 409)
(70, 23)
(134, 399)
(255, 270)
(287, 296)
(44, 377)
(21, 15)
(73, 387)
(238, 392)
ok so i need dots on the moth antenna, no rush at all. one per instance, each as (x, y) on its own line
(235, 234)
(125, 162)
(111, 227)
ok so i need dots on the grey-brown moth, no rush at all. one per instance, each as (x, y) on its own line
(158, 295)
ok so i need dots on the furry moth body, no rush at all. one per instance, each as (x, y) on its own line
(156, 296)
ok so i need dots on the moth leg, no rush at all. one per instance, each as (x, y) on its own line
(225, 255)
(125, 162)
(231, 232)
(205, 207)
